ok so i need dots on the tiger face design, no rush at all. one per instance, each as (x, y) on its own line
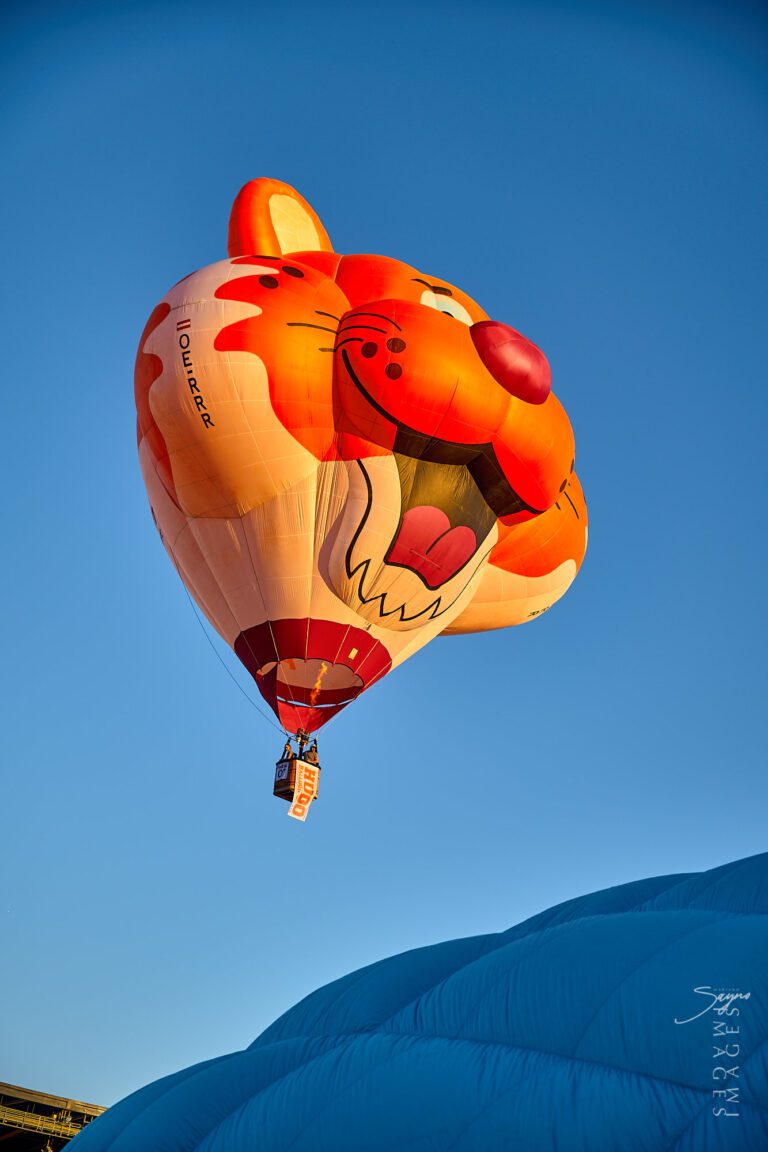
(346, 457)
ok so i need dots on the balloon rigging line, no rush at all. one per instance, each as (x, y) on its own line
(172, 554)
(228, 671)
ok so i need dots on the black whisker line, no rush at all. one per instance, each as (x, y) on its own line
(299, 324)
(349, 340)
(367, 327)
(330, 315)
(572, 505)
(379, 316)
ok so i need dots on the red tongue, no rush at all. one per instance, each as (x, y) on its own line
(428, 545)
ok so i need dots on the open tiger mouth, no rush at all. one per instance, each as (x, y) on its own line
(444, 519)
(451, 495)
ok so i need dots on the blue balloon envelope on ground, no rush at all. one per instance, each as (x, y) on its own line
(631, 1020)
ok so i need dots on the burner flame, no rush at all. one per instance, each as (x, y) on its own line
(316, 687)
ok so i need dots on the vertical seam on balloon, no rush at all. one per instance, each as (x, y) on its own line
(552, 1056)
(343, 1041)
(346, 1087)
(642, 964)
(250, 553)
(248, 543)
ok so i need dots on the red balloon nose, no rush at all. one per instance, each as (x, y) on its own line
(513, 361)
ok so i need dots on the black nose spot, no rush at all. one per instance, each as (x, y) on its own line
(369, 349)
(393, 371)
(290, 271)
(268, 281)
(396, 344)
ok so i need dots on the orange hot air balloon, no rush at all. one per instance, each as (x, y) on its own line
(346, 458)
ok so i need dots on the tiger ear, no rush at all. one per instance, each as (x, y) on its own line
(270, 218)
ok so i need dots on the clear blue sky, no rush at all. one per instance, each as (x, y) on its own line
(594, 175)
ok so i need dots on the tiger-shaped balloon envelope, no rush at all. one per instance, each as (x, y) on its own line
(346, 458)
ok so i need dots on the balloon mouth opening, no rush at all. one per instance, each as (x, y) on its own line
(314, 683)
(307, 693)
(308, 670)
